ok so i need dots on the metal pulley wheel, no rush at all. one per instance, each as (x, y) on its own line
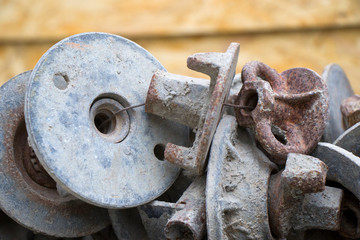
(99, 155)
(27, 193)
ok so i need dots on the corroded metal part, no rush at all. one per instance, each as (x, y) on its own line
(76, 88)
(350, 109)
(127, 224)
(339, 89)
(25, 198)
(350, 140)
(10, 230)
(189, 221)
(155, 216)
(350, 224)
(299, 200)
(194, 102)
(344, 167)
(237, 185)
(289, 110)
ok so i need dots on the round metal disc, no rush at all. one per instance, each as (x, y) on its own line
(339, 89)
(31, 204)
(91, 161)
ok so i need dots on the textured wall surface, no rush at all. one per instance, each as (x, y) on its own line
(283, 34)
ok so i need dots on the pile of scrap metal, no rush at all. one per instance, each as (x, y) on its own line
(99, 141)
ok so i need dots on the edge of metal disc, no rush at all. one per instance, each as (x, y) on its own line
(31, 205)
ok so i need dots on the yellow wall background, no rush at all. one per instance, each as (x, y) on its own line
(281, 33)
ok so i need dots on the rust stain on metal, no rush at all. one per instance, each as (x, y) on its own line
(350, 109)
(289, 110)
(77, 45)
(190, 221)
(299, 200)
(196, 103)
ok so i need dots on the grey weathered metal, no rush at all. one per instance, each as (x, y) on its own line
(237, 185)
(107, 159)
(350, 140)
(127, 224)
(30, 197)
(339, 89)
(194, 102)
(344, 167)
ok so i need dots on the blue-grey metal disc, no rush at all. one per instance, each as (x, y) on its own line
(339, 89)
(34, 206)
(119, 166)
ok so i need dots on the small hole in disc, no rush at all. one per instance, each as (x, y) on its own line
(159, 151)
(61, 81)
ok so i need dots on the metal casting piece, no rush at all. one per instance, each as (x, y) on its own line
(289, 110)
(339, 89)
(350, 109)
(194, 102)
(299, 200)
(350, 225)
(155, 216)
(344, 167)
(237, 185)
(350, 140)
(10, 230)
(189, 222)
(107, 159)
(184, 219)
(127, 224)
(27, 194)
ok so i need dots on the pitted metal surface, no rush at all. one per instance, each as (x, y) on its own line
(299, 200)
(237, 185)
(350, 109)
(189, 222)
(344, 167)
(289, 110)
(28, 201)
(350, 140)
(339, 89)
(68, 137)
(196, 103)
(127, 224)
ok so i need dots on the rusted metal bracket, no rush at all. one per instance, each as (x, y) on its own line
(194, 102)
(299, 200)
(184, 219)
(289, 110)
(350, 109)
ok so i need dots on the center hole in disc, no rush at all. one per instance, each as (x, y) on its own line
(105, 121)
(108, 120)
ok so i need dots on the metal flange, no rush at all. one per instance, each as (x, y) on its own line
(195, 102)
(27, 193)
(237, 185)
(100, 156)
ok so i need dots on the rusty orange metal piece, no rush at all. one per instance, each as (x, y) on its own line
(289, 110)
